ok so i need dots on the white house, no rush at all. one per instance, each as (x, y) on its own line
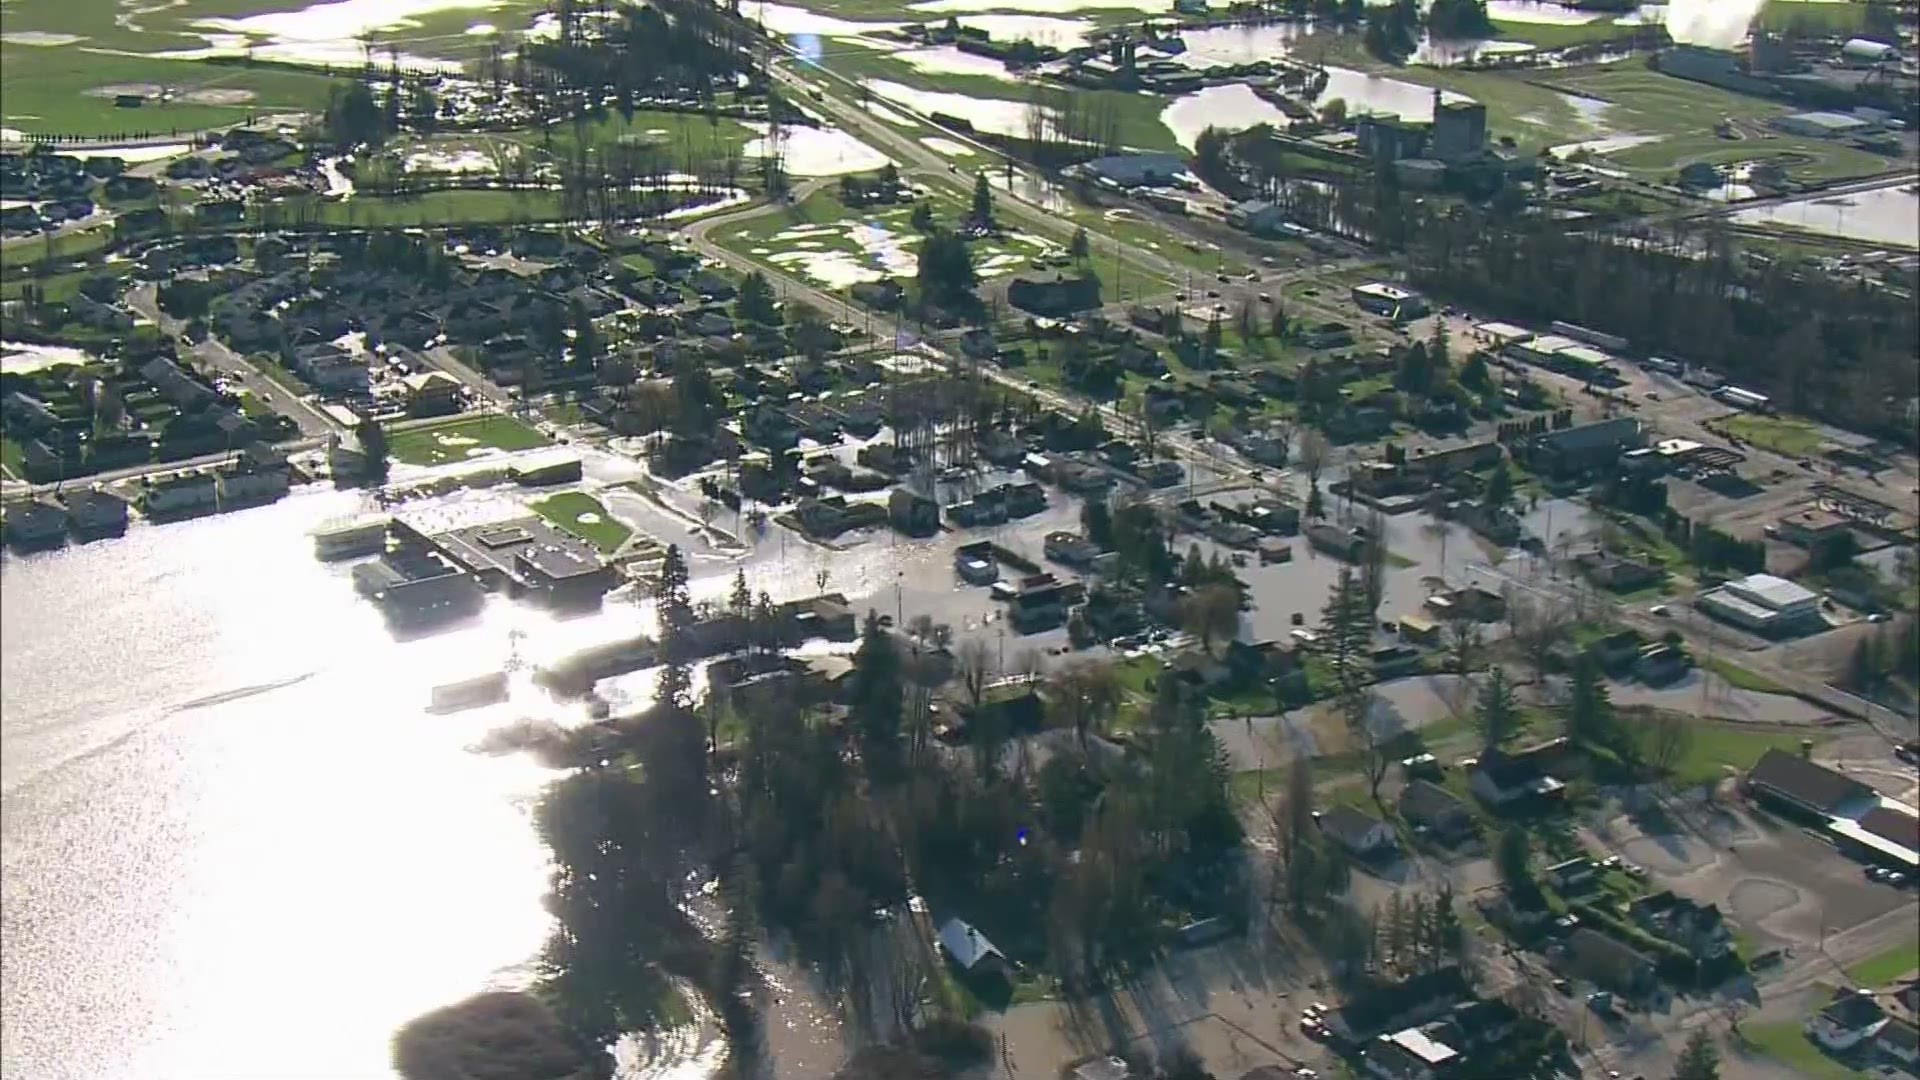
(1411, 1054)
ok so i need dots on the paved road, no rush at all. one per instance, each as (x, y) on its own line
(143, 299)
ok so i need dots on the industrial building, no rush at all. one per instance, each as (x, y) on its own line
(1381, 298)
(1821, 125)
(523, 557)
(1459, 129)
(1762, 603)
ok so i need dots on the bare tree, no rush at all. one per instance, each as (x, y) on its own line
(1356, 712)
(1086, 693)
(1669, 737)
(1313, 450)
(1211, 611)
(1282, 433)
(1537, 627)
(974, 668)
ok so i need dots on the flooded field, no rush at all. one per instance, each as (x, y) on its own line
(1001, 116)
(810, 151)
(1889, 215)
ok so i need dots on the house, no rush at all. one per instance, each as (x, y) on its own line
(1409, 1054)
(1396, 1007)
(1796, 783)
(1573, 875)
(1851, 1018)
(913, 513)
(1899, 1040)
(1620, 575)
(976, 563)
(1698, 928)
(1501, 780)
(1335, 541)
(1360, 834)
(35, 524)
(1473, 603)
(1070, 549)
(95, 512)
(1435, 811)
(430, 393)
(1607, 962)
(970, 949)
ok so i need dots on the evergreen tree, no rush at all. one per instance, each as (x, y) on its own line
(1590, 716)
(1079, 247)
(1700, 1060)
(876, 697)
(1346, 628)
(670, 593)
(1497, 713)
(981, 213)
(1499, 486)
(586, 339)
(755, 303)
(1097, 520)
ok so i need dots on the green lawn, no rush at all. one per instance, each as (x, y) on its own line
(1741, 678)
(1714, 749)
(12, 458)
(1884, 968)
(435, 208)
(584, 516)
(27, 251)
(1560, 35)
(1817, 17)
(1788, 1043)
(1782, 435)
(59, 89)
(458, 439)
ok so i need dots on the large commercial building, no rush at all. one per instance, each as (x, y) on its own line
(1821, 125)
(1762, 603)
(1459, 129)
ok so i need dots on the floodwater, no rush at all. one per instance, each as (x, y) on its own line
(998, 115)
(810, 151)
(954, 7)
(1889, 215)
(21, 358)
(1600, 147)
(947, 60)
(231, 819)
(941, 145)
(458, 161)
(1235, 106)
(792, 21)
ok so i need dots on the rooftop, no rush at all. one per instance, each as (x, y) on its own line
(1802, 780)
(1775, 592)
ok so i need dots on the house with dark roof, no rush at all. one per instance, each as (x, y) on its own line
(1607, 962)
(1698, 928)
(1795, 783)
(1433, 810)
(1851, 1018)
(1411, 1002)
(1360, 834)
(1899, 1041)
(1501, 780)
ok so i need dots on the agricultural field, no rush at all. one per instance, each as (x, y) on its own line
(62, 65)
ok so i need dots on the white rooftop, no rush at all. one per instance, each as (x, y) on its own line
(1420, 1045)
(966, 945)
(1548, 344)
(1775, 592)
(1504, 333)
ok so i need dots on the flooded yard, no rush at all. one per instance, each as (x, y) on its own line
(1889, 215)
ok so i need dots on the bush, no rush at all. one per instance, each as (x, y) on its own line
(495, 1036)
(954, 1041)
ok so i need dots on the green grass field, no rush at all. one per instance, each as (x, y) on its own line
(60, 89)
(1818, 17)
(1559, 35)
(584, 516)
(1788, 1044)
(1715, 749)
(1782, 435)
(29, 250)
(460, 438)
(1884, 968)
(1740, 678)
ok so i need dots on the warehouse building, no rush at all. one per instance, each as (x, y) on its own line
(1821, 125)
(1381, 298)
(1763, 603)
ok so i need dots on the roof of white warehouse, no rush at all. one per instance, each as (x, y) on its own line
(1775, 592)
